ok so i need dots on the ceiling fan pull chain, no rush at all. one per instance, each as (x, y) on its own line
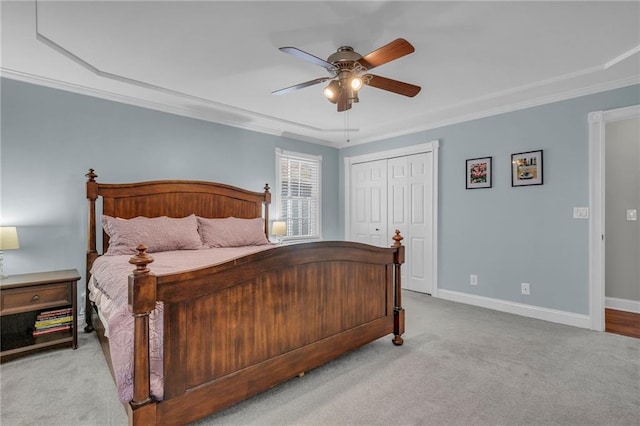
(346, 126)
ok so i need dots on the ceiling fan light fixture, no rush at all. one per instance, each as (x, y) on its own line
(356, 83)
(332, 91)
(349, 72)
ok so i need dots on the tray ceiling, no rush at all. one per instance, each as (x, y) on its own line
(219, 61)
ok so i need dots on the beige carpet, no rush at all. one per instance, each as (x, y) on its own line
(460, 365)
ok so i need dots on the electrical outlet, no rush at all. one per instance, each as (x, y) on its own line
(526, 288)
(473, 279)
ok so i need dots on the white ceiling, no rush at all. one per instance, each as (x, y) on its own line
(219, 61)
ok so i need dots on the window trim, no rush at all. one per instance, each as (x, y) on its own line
(278, 192)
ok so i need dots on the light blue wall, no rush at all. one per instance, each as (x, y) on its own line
(509, 235)
(50, 138)
(504, 235)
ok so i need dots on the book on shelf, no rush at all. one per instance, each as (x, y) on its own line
(52, 329)
(42, 327)
(54, 313)
(54, 321)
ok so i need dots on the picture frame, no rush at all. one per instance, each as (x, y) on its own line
(479, 171)
(526, 168)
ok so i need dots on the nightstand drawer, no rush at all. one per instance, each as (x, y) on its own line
(35, 297)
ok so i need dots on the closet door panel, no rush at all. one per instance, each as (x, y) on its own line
(418, 226)
(369, 203)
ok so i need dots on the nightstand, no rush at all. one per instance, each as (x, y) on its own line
(38, 311)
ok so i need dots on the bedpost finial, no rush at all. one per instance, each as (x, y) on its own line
(397, 238)
(266, 187)
(91, 176)
(141, 260)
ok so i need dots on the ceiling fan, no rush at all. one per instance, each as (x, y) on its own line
(349, 72)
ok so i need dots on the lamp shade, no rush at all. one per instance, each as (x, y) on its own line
(279, 228)
(9, 238)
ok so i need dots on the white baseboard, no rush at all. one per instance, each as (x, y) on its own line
(622, 304)
(546, 314)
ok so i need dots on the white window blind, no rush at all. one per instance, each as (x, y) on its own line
(298, 194)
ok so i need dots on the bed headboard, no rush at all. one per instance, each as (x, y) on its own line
(173, 198)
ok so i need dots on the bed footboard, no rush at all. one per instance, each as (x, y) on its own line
(237, 329)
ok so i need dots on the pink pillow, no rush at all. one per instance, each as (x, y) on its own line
(158, 233)
(232, 232)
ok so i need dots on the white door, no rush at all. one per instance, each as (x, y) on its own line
(369, 203)
(391, 194)
(598, 122)
(410, 211)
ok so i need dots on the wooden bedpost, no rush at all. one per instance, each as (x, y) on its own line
(398, 310)
(266, 202)
(142, 300)
(92, 253)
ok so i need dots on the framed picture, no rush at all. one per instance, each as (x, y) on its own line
(526, 168)
(479, 173)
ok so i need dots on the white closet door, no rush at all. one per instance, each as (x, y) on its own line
(397, 193)
(369, 203)
(415, 220)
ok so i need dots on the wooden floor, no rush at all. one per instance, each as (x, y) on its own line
(621, 322)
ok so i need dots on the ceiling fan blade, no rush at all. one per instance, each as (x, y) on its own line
(310, 58)
(300, 86)
(394, 86)
(387, 53)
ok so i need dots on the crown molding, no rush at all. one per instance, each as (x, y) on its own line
(530, 103)
(212, 116)
(200, 115)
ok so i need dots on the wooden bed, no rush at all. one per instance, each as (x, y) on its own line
(332, 297)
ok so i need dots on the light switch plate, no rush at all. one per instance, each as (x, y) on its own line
(632, 214)
(581, 212)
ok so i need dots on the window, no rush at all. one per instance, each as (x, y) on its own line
(298, 194)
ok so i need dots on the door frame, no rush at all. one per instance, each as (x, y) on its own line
(597, 140)
(432, 147)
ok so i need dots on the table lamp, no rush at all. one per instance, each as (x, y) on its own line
(8, 241)
(279, 230)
